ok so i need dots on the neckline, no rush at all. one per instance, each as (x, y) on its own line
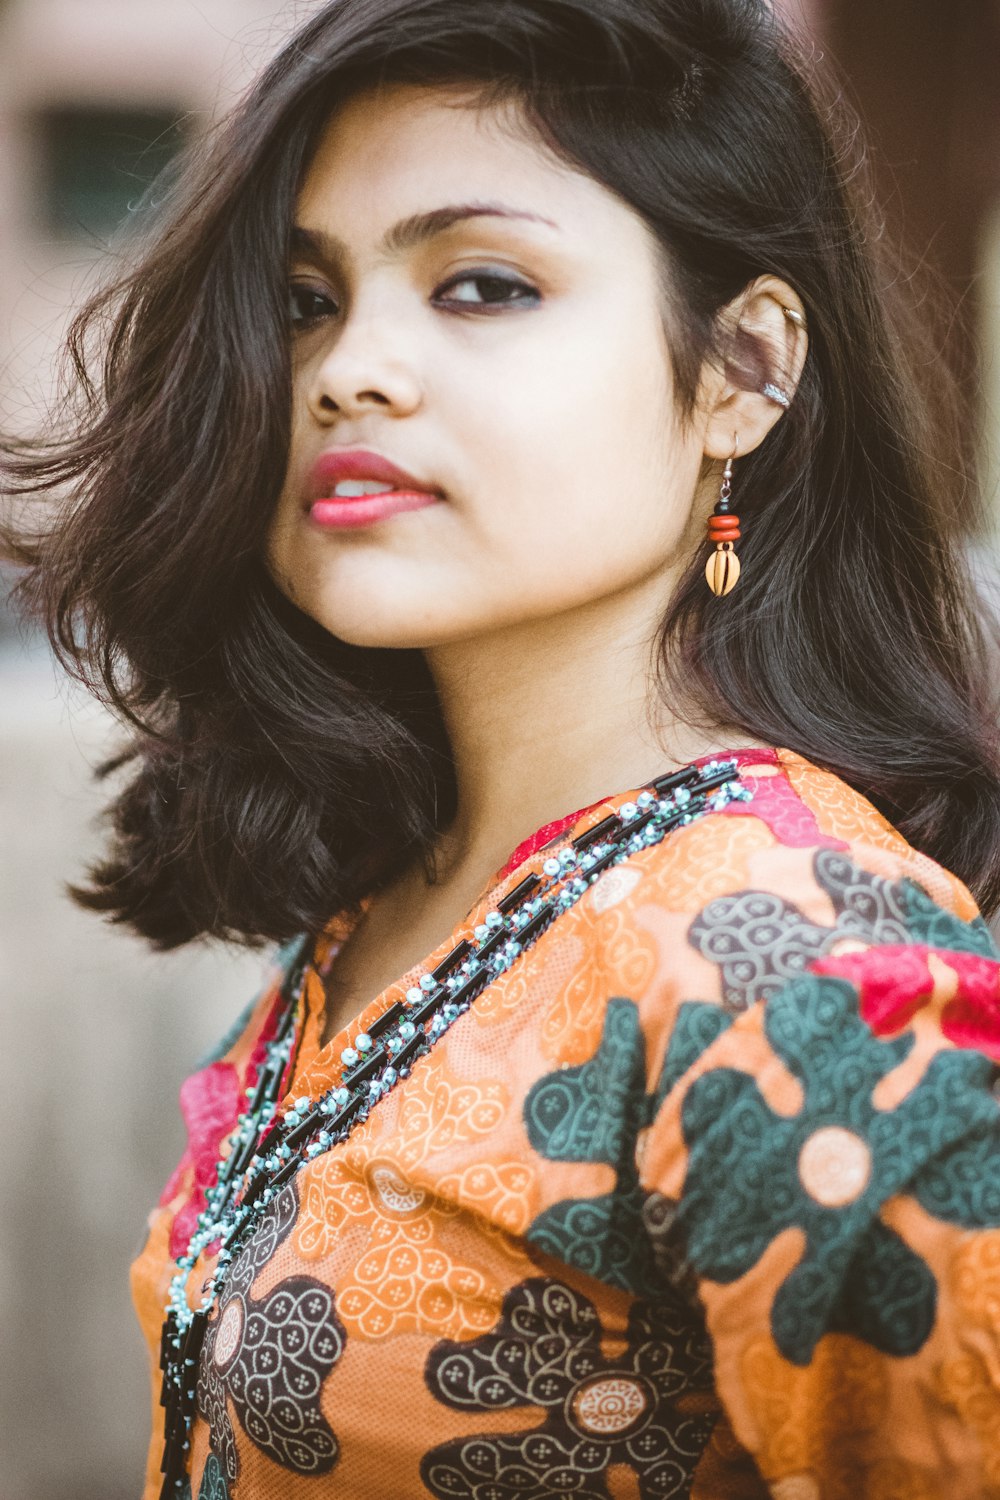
(315, 1064)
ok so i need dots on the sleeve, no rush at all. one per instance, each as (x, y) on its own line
(212, 1097)
(210, 1102)
(822, 1172)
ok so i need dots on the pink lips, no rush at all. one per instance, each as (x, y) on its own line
(335, 512)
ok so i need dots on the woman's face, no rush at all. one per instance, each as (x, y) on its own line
(513, 363)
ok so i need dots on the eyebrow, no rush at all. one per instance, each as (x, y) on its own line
(412, 231)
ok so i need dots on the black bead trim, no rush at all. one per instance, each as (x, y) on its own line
(472, 988)
(493, 955)
(260, 1092)
(667, 784)
(366, 1068)
(288, 1171)
(228, 1168)
(528, 886)
(601, 864)
(194, 1338)
(388, 1019)
(342, 1116)
(246, 1154)
(421, 1009)
(407, 1052)
(629, 830)
(254, 1191)
(491, 945)
(605, 829)
(455, 957)
(304, 1129)
(537, 925)
(234, 1233)
(710, 783)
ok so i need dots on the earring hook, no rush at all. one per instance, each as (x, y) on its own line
(732, 456)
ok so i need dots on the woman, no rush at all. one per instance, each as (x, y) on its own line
(618, 1119)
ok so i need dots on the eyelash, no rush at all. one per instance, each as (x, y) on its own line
(302, 323)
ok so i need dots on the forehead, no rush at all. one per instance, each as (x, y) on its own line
(404, 148)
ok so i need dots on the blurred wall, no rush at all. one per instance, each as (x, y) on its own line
(97, 1032)
(924, 78)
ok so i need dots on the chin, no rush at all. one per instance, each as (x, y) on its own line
(388, 628)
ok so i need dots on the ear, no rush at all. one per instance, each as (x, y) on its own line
(768, 344)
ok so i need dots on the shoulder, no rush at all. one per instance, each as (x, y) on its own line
(803, 862)
(821, 1152)
(803, 881)
(798, 822)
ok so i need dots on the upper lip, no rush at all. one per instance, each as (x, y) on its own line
(360, 463)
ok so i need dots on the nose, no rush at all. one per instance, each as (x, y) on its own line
(365, 366)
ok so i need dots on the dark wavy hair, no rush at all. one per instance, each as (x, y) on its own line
(275, 774)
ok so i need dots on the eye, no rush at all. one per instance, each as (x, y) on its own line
(500, 291)
(307, 305)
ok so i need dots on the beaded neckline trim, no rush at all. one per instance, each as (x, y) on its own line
(266, 1151)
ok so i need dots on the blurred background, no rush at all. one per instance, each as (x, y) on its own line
(96, 1033)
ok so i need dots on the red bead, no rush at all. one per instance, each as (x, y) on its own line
(718, 533)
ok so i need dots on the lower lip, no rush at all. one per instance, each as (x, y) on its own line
(355, 511)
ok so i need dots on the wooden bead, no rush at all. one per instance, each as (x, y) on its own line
(722, 569)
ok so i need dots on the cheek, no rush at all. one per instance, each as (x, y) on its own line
(571, 483)
(584, 462)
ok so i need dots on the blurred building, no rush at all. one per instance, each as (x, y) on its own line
(94, 95)
(924, 77)
(97, 1031)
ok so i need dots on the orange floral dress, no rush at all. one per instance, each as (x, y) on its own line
(701, 1197)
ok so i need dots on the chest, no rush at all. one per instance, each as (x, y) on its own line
(405, 1261)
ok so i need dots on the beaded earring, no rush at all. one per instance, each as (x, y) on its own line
(723, 567)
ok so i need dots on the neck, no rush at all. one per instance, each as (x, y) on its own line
(550, 716)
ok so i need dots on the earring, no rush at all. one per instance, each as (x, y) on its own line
(723, 567)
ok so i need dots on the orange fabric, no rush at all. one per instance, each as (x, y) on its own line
(698, 1199)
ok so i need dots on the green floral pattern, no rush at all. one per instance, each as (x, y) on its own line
(593, 1113)
(749, 1168)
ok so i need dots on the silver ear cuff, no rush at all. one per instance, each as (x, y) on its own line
(774, 391)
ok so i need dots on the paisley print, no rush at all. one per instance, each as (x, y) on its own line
(213, 1482)
(268, 1357)
(965, 1381)
(650, 1408)
(760, 940)
(699, 1199)
(403, 1276)
(573, 1023)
